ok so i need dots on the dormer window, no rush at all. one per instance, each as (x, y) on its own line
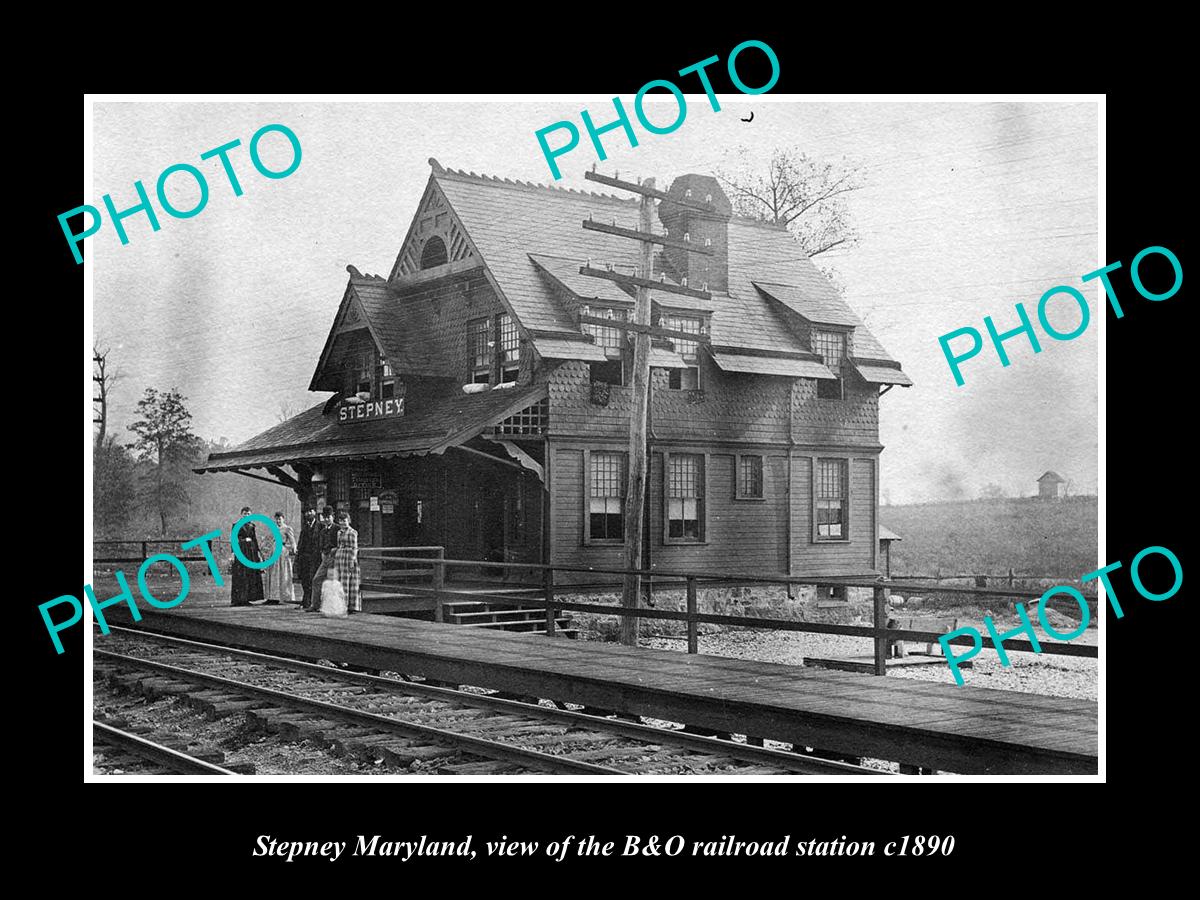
(612, 339)
(510, 348)
(361, 371)
(832, 347)
(479, 348)
(605, 335)
(687, 379)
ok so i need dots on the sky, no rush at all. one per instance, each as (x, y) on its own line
(967, 208)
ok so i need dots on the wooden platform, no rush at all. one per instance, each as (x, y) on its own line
(867, 663)
(957, 729)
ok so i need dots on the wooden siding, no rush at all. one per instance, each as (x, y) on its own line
(740, 535)
(856, 556)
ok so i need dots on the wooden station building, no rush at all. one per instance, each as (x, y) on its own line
(469, 407)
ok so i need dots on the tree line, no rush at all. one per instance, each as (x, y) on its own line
(145, 487)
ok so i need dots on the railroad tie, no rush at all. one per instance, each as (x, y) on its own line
(349, 740)
(579, 737)
(496, 767)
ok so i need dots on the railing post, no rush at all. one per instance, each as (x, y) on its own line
(439, 581)
(692, 637)
(548, 583)
(881, 642)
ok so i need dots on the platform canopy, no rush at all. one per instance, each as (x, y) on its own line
(432, 423)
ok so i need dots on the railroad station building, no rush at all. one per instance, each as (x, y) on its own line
(465, 405)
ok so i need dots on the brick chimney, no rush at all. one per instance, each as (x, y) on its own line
(700, 228)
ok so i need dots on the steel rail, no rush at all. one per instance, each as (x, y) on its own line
(795, 762)
(479, 746)
(156, 753)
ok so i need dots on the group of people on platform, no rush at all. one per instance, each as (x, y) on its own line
(324, 559)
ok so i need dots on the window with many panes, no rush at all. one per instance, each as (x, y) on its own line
(605, 335)
(688, 378)
(360, 371)
(832, 347)
(831, 497)
(606, 492)
(510, 347)
(749, 478)
(685, 497)
(479, 348)
(689, 324)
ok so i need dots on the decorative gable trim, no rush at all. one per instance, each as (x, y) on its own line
(434, 218)
(350, 317)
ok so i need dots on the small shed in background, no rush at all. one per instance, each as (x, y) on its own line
(1050, 486)
(886, 537)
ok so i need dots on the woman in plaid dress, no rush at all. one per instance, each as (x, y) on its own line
(346, 561)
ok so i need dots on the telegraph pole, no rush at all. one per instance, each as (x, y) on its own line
(635, 494)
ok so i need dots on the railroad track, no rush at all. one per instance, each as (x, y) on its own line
(147, 757)
(423, 727)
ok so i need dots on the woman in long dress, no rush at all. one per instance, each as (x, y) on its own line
(346, 560)
(245, 583)
(281, 586)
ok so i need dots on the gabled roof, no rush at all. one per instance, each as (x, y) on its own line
(1053, 477)
(400, 330)
(820, 305)
(564, 274)
(443, 419)
(886, 534)
(532, 241)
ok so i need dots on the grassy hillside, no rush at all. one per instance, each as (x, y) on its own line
(988, 536)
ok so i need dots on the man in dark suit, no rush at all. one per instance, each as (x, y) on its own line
(246, 585)
(327, 539)
(307, 555)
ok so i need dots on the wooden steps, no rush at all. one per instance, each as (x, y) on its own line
(501, 617)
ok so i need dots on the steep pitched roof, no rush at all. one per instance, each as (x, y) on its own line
(400, 330)
(1053, 477)
(775, 262)
(405, 337)
(532, 241)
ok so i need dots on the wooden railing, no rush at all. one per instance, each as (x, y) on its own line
(878, 632)
(152, 546)
(430, 566)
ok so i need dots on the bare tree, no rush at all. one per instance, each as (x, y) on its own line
(285, 410)
(798, 191)
(105, 377)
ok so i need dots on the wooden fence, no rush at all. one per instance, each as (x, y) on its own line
(438, 566)
(105, 552)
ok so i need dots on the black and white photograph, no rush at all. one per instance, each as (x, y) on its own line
(526, 438)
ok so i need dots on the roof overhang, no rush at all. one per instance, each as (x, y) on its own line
(348, 447)
(874, 372)
(662, 358)
(564, 348)
(771, 365)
